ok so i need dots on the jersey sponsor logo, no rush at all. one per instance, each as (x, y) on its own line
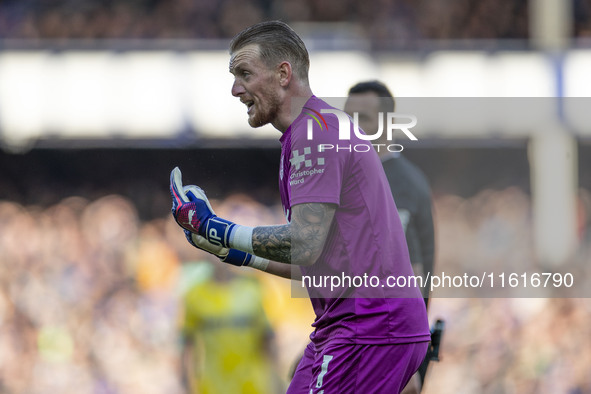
(310, 165)
(300, 177)
(297, 159)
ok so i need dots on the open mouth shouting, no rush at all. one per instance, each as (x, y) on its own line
(249, 105)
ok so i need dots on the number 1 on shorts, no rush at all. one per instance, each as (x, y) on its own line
(326, 359)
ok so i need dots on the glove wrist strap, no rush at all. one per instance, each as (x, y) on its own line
(237, 258)
(218, 231)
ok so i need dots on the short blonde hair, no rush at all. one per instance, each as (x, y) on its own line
(277, 42)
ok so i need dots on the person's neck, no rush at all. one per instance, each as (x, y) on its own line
(292, 107)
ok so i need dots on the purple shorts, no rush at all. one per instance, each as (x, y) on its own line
(342, 369)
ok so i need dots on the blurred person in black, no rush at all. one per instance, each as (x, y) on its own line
(410, 187)
(408, 184)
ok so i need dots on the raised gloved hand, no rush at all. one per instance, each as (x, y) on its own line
(192, 211)
(205, 230)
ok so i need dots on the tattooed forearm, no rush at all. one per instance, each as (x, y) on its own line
(310, 222)
(299, 242)
(272, 242)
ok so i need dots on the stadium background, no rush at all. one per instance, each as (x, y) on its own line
(90, 260)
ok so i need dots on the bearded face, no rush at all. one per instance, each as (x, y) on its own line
(256, 85)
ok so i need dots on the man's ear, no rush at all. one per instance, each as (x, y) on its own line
(285, 72)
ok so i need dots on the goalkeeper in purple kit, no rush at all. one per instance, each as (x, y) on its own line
(341, 224)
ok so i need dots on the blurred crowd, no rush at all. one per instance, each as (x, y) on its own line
(507, 345)
(89, 298)
(384, 22)
(78, 313)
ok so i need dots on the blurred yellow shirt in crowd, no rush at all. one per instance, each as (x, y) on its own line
(227, 323)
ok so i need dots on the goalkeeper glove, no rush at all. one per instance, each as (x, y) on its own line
(231, 256)
(192, 211)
